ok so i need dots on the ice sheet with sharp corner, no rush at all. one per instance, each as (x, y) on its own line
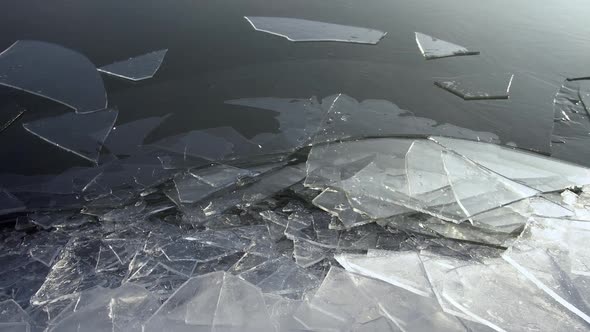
(434, 48)
(11, 312)
(493, 293)
(53, 72)
(282, 276)
(402, 269)
(267, 185)
(121, 309)
(337, 304)
(307, 254)
(80, 134)
(191, 189)
(125, 139)
(301, 30)
(335, 202)
(546, 253)
(211, 302)
(9, 203)
(347, 118)
(410, 311)
(571, 122)
(197, 143)
(534, 170)
(478, 87)
(137, 68)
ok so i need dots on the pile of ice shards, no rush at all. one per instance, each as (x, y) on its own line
(354, 216)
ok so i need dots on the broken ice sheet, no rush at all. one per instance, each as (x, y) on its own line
(433, 48)
(307, 254)
(337, 304)
(300, 30)
(347, 118)
(547, 253)
(137, 68)
(402, 269)
(478, 87)
(214, 301)
(120, 309)
(80, 134)
(53, 72)
(45, 254)
(9, 203)
(571, 122)
(335, 202)
(125, 139)
(493, 293)
(536, 171)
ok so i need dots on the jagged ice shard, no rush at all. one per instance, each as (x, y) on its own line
(300, 30)
(137, 68)
(478, 87)
(54, 72)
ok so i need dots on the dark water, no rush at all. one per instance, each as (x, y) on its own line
(215, 55)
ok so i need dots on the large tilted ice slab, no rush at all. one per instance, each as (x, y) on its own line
(552, 253)
(80, 134)
(53, 72)
(433, 48)
(137, 68)
(300, 30)
(386, 177)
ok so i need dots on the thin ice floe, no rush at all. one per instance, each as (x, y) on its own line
(300, 30)
(478, 87)
(137, 68)
(54, 72)
(80, 134)
(433, 48)
(126, 139)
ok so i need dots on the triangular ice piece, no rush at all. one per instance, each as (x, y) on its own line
(478, 87)
(433, 48)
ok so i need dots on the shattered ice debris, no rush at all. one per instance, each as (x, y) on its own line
(120, 309)
(433, 48)
(478, 87)
(80, 134)
(552, 253)
(53, 72)
(198, 184)
(300, 30)
(213, 302)
(137, 68)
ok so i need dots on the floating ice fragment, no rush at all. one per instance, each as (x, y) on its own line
(80, 134)
(137, 68)
(433, 48)
(53, 72)
(9, 203)
(307, 254)
(300, 30)
(478, 87)
(45, 254)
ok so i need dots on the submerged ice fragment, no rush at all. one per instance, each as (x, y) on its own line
(53, 72)
(9, 203)
(433, 48)
(80, 134)
(300, 30)
(137, 68)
